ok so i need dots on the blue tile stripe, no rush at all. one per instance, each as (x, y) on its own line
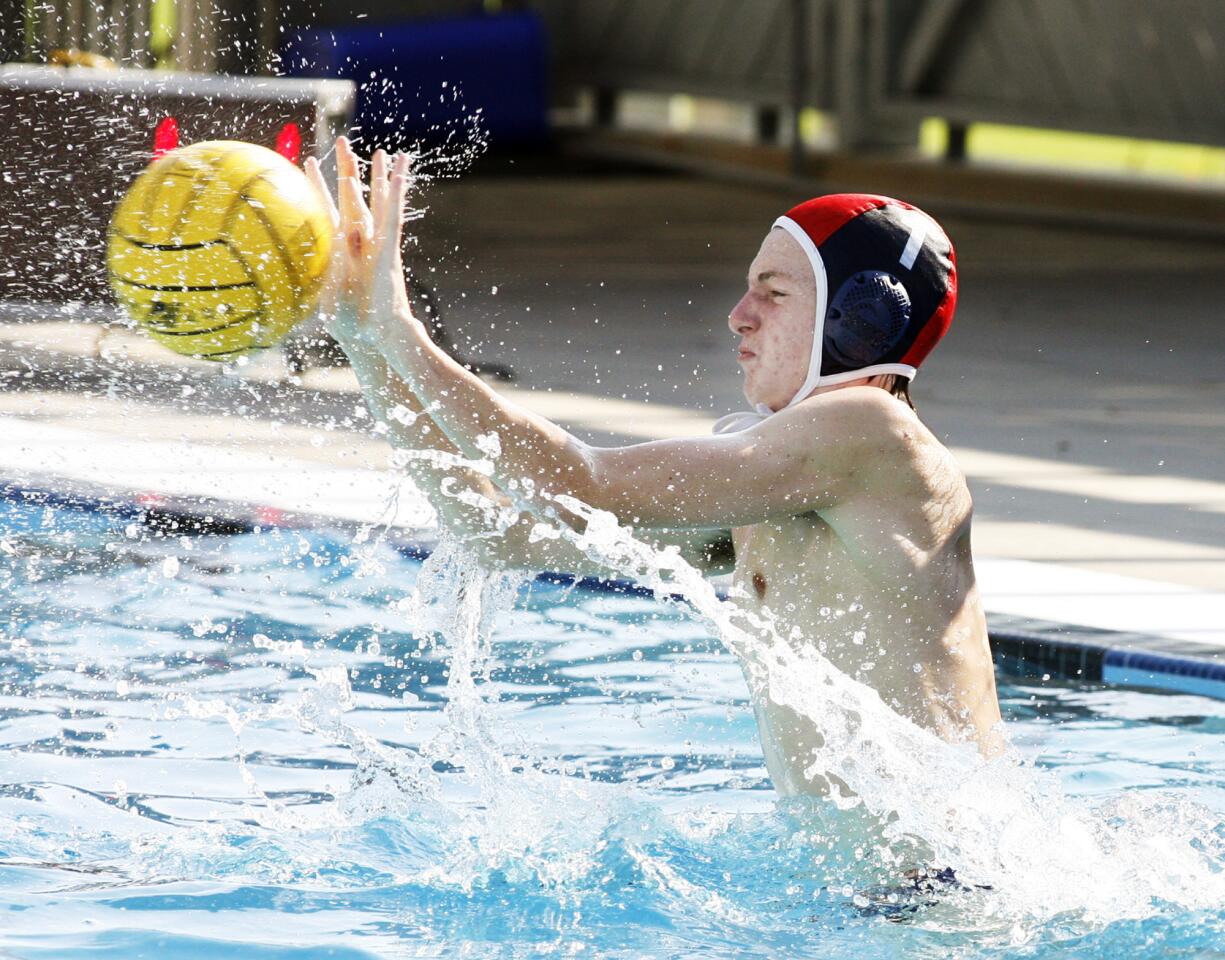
(114, 506)
(1034, 653)
(1160, 663)
(1071, 654)
(1138, 668)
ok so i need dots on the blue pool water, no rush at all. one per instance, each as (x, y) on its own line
(288, 744)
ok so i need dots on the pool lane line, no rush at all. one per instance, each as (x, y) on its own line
(1021, 647)
(1137, 668)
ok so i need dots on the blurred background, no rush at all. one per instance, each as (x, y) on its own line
(1103, 85)
(599, 174)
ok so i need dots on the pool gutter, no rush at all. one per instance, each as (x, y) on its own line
(1021, 646)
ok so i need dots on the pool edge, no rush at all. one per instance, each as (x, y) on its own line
(1021, 647)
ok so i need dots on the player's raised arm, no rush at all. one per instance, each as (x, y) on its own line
(798, 461)
(464, 499)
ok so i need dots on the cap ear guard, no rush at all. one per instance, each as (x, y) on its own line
(866, 319)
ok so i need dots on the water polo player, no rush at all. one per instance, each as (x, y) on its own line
(839, 497)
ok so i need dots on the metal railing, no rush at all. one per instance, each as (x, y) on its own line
(1127, 67)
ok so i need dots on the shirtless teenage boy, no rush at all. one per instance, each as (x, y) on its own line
(833, 486)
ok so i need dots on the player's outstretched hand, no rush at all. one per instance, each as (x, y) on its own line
(370, 290)
(364, 285)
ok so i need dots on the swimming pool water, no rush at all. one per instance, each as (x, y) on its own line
(255, 746)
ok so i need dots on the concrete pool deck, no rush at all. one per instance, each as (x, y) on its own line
(1080, 388)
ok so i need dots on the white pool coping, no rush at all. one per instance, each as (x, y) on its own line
(145, 469)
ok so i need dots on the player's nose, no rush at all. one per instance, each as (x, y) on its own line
(741, 320)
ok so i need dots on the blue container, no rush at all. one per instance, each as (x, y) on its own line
(425, 80)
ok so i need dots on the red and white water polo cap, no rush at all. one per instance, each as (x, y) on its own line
(886, 278)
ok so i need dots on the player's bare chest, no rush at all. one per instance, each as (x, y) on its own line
(779, 553)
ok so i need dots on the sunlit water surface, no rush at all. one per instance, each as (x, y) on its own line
(258, 746)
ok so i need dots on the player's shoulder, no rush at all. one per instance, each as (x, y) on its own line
(857, 412)
(873, 427)
(857, 425)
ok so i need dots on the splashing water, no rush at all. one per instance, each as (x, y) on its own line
(1000, 823)
(335, 812)
(562, 783)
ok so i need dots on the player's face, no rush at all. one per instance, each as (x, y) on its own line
(774, 321)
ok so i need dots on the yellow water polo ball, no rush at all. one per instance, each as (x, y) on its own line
(219, 248)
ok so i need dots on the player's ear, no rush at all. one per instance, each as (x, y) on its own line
(165, 137)
(289, 143)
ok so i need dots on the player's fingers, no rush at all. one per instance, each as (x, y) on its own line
(315, 174)
(345, 166)
(350, 197)
(398, 188)
(353, 209)
(378, 186)
(356, 218)
(390, 229)
(346, 160)
(392, 232)
(348, 183)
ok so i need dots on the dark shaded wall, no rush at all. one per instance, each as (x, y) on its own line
(1130, 67)
(12, 29)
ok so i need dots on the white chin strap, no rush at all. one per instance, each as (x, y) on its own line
(744, 419)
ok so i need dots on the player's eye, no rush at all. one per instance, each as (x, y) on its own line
(778, 293)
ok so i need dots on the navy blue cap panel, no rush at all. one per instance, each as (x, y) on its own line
(875, 243)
